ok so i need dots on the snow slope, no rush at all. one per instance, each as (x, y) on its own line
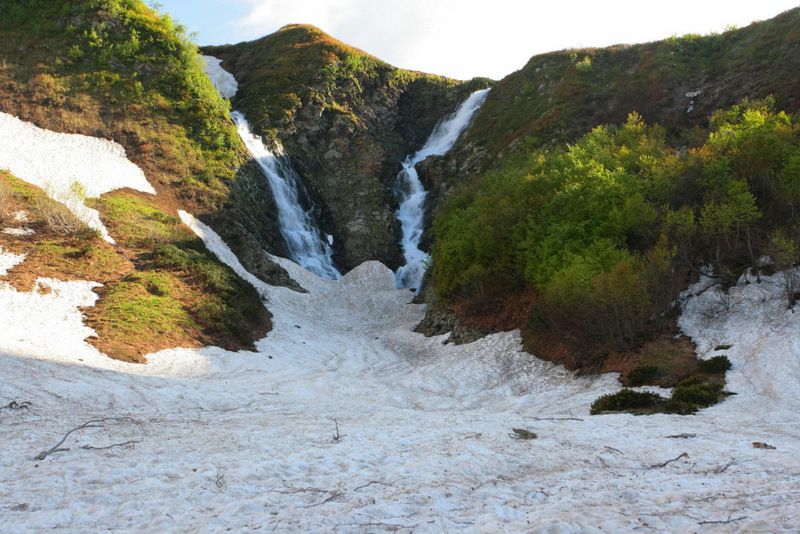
(56, 161)
(242, 441)
(223, 81)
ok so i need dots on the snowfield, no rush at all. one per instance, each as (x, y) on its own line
(219, 440)
(345, 420)
(57, 161)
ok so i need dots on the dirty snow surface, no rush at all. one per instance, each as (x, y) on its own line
(57, 161)
(214, 440)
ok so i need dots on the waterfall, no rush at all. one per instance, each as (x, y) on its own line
(303, 239)
(412, 194)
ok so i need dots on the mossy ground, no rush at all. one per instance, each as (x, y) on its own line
(116, 69)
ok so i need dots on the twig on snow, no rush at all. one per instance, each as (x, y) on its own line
(612, 449)
(293, 491)
(92, 423)
(219, 480)
(334, 495)
(14, 405)
(665, 464)
(378, 482)
(723, 467)
(336, 437)
(521, 434)
(556, 419)
(730, 519)
(123, 444)
(388, 526)
(681, 436)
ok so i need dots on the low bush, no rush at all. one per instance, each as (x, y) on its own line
(6, 196)
(690, 395)
(717, 364)
(644, 374)
(698, 391)
(58, 218)
(628, 400)
(680, 407)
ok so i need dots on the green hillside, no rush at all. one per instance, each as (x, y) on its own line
(615, 177)
(118, 70)
(678, 82)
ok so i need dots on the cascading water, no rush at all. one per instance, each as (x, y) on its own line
(303, 239)
(412, 194)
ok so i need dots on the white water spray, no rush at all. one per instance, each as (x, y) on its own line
(304, 241)
(412, 194)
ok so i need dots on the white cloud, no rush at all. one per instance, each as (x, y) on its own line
(465, 38)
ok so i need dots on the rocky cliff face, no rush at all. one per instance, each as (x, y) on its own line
(347, 120)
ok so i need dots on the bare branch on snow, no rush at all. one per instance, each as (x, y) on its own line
(723, 467)
(336, 437)
(665, 464)
(92, 423)
(730, 519)
(14, 405)
(219, 480)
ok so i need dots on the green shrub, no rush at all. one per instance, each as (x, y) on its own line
(644, 374)
(627, 400)
(698, 391)
(601, 229)
(717, 364)
(680, 407)
(690, 395)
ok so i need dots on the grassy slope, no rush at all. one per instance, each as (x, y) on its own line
(560, 96)
(116, 69)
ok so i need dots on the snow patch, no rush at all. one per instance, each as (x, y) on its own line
(19, 231)
(57, 161)
(9, 260)
(217, 246)
(223, 81)
(764, 336)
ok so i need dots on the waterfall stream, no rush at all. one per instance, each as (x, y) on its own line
(303, 239)
(412, 194)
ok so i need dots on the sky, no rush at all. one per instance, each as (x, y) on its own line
(467, 38)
